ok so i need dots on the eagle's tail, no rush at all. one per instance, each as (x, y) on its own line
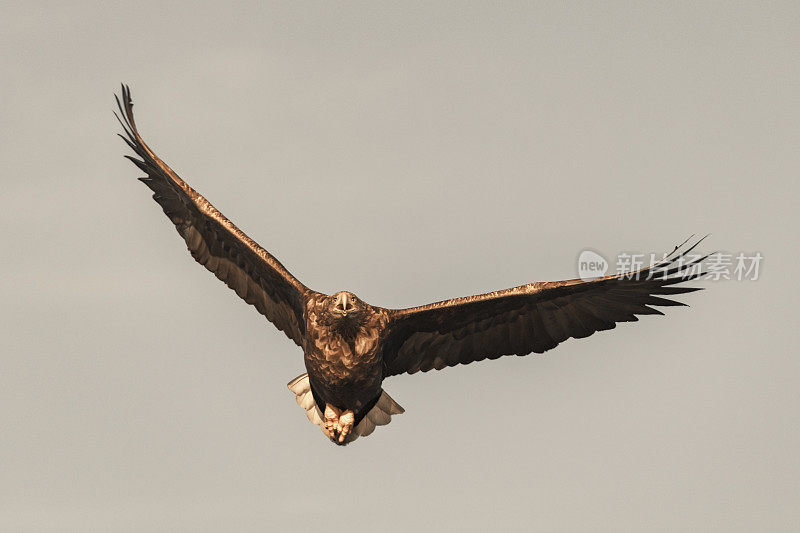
(380, 414)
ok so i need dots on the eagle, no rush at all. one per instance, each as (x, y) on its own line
(350, 347)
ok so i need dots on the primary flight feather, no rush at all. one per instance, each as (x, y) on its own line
(351, 346)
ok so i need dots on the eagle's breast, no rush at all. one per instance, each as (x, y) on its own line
(344, 362)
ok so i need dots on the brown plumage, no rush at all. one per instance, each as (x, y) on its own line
(351, 346)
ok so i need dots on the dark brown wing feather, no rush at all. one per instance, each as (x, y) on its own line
(256, 276)
(529, 318)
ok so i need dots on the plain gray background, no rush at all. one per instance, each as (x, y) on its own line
(408, 152)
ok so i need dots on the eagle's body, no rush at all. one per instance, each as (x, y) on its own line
(342, 353)
(350, 347)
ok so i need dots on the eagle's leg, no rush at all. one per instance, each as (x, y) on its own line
(331, 420)
(338, 423)
(346, 424)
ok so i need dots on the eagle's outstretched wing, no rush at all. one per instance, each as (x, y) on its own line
(256, 276)
(529, 318)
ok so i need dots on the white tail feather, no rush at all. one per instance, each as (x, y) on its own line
(380, 415)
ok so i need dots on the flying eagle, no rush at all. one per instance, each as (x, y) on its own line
(350, 346)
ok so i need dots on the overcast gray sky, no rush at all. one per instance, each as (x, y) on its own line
(408, 152)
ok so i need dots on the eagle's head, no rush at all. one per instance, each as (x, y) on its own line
(344, 310)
